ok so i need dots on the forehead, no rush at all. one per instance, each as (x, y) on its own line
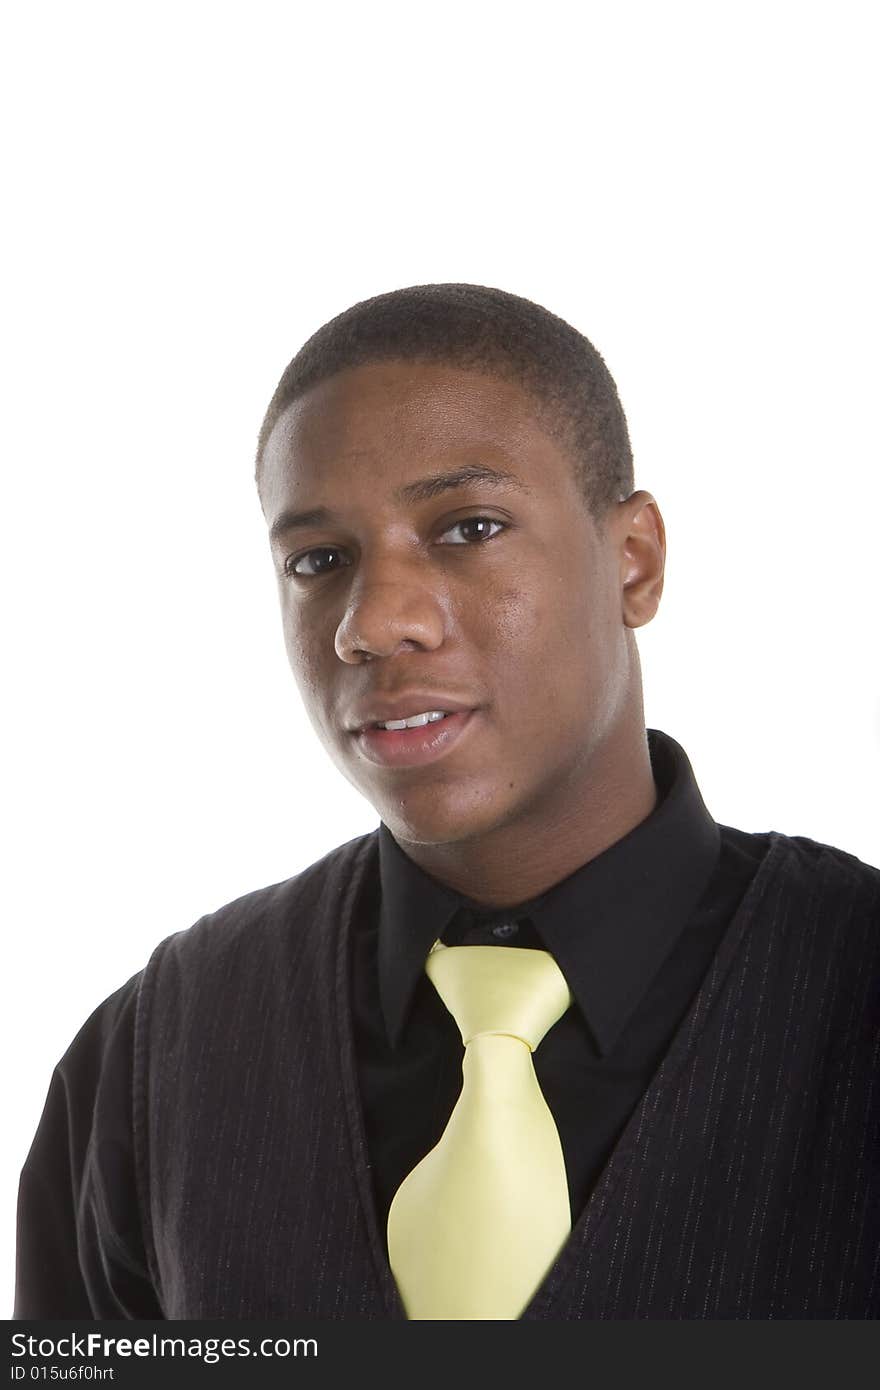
(390, 418)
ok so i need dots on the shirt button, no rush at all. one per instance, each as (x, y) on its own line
(505, 930)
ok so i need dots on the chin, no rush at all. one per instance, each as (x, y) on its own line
(432, 818)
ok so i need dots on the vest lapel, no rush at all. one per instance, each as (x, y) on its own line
(366, 862)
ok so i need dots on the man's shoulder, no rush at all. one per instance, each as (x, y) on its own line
(304, 888)
(821, 874)
(822, 863)
(279, 910)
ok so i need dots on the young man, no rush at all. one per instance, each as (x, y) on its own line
(666, 1106)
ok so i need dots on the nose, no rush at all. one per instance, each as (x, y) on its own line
(386, 614)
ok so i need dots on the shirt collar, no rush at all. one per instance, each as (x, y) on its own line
(610, 924)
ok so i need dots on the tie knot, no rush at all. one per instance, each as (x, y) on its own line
(499, 989)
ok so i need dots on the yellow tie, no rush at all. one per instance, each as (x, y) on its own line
(474, 1228)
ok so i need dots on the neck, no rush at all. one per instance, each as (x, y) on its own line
(518, 860)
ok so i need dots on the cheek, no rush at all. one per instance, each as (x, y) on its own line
(518, 618)
(306, 655)
(552, 649)
(528, 636)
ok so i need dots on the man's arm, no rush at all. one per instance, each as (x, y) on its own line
(80, 1251)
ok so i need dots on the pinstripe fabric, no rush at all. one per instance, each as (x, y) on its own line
(744, 1186)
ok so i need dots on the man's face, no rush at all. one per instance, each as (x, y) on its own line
(500, 599)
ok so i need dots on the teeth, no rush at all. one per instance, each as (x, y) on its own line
(415, 721)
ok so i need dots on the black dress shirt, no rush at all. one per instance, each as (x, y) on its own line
(633, 930)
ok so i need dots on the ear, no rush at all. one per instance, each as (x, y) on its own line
(641, 539)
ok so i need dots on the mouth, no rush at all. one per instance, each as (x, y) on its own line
(414, 747)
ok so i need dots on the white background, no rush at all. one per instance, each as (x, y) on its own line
(191, 190)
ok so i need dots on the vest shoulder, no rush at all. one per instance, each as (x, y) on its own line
(818, 878)
(282, 908)
(827, 864)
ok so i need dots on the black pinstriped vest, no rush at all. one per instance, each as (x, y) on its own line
(745, 1184)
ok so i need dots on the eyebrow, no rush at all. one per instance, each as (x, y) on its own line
(420, 491)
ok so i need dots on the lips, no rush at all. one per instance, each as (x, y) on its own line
(419, 746)
(382, 708)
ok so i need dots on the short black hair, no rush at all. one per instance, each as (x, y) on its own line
(490, 331)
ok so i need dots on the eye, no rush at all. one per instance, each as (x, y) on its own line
(317, 562)
(482, 521)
